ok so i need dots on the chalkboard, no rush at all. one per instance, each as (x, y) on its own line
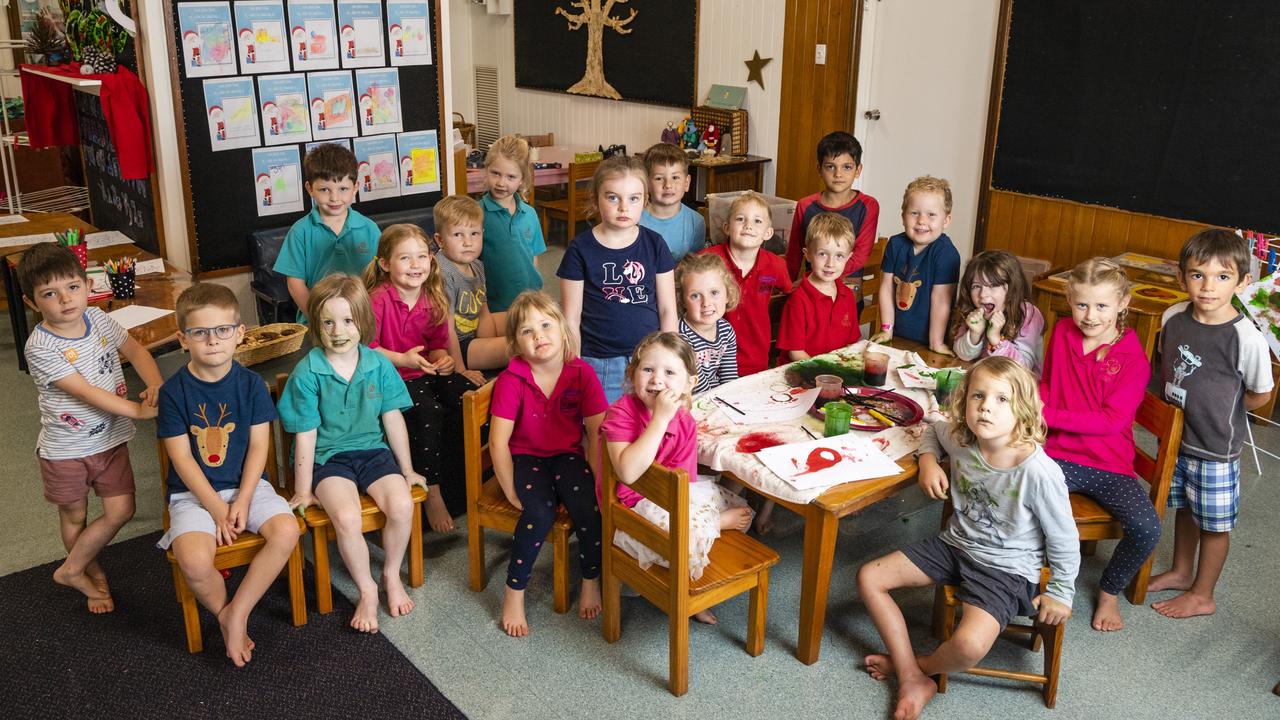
(124, 205)
(1168, 108)
(222, 194)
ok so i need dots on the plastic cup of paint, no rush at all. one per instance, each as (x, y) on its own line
(947, 381)
(830, 387)
(875, 368)
(837, 415)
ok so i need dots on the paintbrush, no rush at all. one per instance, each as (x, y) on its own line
(726, 403)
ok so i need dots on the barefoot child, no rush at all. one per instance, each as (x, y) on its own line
(1095, 374)
(651, 423)
(415, 332)
(73, 355)
(540, 404)
(994, 314)
(482, 340)
(1215, 367)
(1011, 512)
(339, 400)
(510, 223)
(216, 486)
(706, 292)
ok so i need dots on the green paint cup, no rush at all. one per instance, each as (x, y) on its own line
(837, 415)
(948, 380)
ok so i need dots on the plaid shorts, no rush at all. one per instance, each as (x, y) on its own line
(1210, 488)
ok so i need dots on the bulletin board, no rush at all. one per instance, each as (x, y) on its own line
(232, 57)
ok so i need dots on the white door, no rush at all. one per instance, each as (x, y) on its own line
(925, 66)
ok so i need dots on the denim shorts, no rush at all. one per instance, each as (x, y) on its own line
(1210, 489)
(611, 372)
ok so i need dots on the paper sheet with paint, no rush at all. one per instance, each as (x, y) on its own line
(313, 35)
(409, 32)
(828, 461)
(768, 406)
(378, 93)
(377, 172)
(207, 46)
(231, 108)
(277, 180)
(360, 34)
(331, 97)
(262, 37)
(419, 162)
(1262, 301)
(282, 105)
(131, 316)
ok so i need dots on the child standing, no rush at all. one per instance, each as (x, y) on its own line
(540, 405)
(414, 332)
(216, 485)
(652, 423)
(1011, 513)
(758, 274)
(333, 237)
(921, 268)
(839, 165)
(822, 314)
(1215, 367)
(994, 314)
(706, 291)
(459, 224)
(1095, 374)
(680, 226)
(84, 413)
(339, 400)
(510, 222)
(616, 278)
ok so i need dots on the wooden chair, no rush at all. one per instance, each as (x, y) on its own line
(738, 564)
(574, 206)
(371, 518)
(871, 277)
(238, 554)
(487, 505)
(1164, 421)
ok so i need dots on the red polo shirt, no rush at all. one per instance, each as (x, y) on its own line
(750, 320)
(816, 323)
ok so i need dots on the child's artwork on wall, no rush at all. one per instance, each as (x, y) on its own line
(829, 461)
(205, 30)
(277, 175)
(409, 32)
(379, 99)
(283, 104)
(332, 101)
(232, 110)
(261, 36)
(1262, 301)
(419, 162)
(360, 34)
(378, 172)
(642, 52)
(313, 35)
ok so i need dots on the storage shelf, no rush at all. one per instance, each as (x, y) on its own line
(83, 84)
(63, 199)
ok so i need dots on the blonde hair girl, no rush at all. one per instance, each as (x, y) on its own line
(512, 232)
(707, 291)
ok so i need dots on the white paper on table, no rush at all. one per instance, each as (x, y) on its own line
(106, 238)
(10, 219)
(828, 461)
(769, 407)
(898, 441)
(131, 316)
(147, 267)
(916, 376)
(28, 240)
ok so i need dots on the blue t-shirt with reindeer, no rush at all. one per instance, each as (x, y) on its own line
(216, 418)
(913, 276)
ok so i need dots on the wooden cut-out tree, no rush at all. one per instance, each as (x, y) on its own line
(596, 18)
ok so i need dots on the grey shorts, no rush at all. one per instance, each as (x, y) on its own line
(1003, 595)
(186, 514)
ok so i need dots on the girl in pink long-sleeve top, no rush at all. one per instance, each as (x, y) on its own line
(1095, 374)
(994, 315)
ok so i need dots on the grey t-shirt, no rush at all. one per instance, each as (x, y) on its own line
(466, 295)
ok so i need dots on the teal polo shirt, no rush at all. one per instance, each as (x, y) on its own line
(311, 250)
(347, 415)
(511, 242)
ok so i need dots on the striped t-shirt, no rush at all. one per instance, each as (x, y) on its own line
(716, 360)
(71, 428)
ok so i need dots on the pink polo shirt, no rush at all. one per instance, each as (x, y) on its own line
(547, 426)
(628, 417)
(818, 324)
(402, 328)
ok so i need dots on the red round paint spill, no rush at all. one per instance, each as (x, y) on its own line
(757, 441)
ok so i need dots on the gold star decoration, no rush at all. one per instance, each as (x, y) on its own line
(755, 66)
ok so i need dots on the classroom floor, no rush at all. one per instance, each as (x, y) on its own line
(1220, 666)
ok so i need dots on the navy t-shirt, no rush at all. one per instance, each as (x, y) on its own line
(216, 418)
(913, 277)
(619, 290)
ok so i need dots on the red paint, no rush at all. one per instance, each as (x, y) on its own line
(757, 441)
(821, 459)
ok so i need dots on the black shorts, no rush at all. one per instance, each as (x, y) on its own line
(463, 344)
(1003, 595)
(362, 467)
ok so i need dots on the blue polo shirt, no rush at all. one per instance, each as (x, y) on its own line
(685, 232)
(347, 414)
(511, 242)
(312, 250)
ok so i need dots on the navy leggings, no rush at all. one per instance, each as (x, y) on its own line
(542, 484)
(1125, 498)
(434, 424)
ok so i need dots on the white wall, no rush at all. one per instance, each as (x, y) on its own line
(153, 46)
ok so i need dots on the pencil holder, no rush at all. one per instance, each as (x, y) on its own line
(81, 252)
(123, 286)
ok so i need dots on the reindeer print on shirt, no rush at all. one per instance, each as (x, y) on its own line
(213, 439)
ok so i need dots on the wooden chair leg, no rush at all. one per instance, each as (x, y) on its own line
(678, 642)
(475, 551)
(324, 592)
(178, 580)
(416, 562)
(1052, 662)
(542, 217)
(190, 612)
(1088, 548)
(560, 568)
(1137, 590)
(940, 611)
(297, 593)
(756, 613)
(947, 626)
(611, 606)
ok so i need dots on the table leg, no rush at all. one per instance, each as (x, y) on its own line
(17, 313)
(1146, 326)
(819, 551)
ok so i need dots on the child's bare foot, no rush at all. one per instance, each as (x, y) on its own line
(398, 601)
(1169, 581)
(1106, 617)
(738, 518)
(99, 602)
(1185, 605)
(879, 667)
(235, 636)
(589, 599)
(706, 616)
(438, 516)
(913, 695)
(103, 603)
(513, 619)
(366, 617)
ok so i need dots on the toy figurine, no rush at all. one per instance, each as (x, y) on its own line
(688, 134)
(711, 138)
(670, 136)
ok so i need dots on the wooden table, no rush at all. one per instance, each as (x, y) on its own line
(743, 172)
